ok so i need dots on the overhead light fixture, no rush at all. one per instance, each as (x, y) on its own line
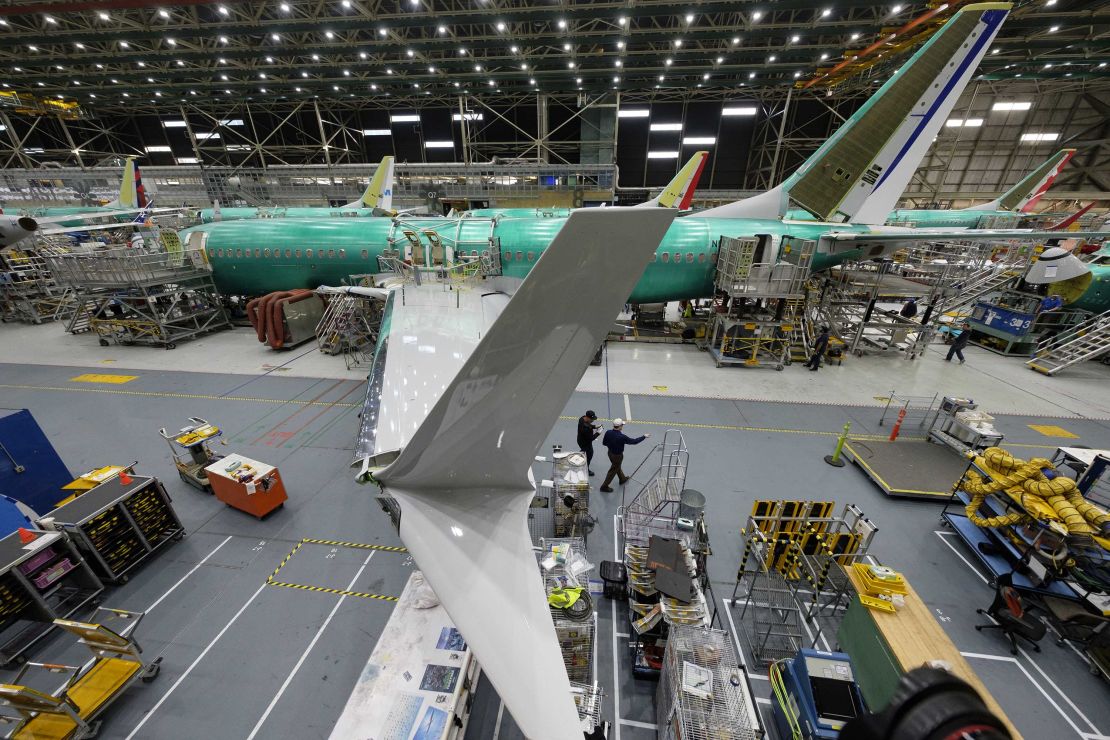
(405, 118)
(231, 122)
(699, 140)
(329, 34)
(469, 116)
(566, 47)
(223, 39)
(824, 57)
(376, 132)
(206, 135)
(186, 160)
(275, 37)
(633, 112)
(771, 58)
(826, 12)
(285, 7)
(304, 74)
(678, 43)
(346, 73)
(410, 52)
(795, 39)
(739, 110)
(1034, 138)
(477, 68)
(104, 16)
(223, 10)
(174, 124)
(514, 49)
(735, 40)
(50, 19)
(164, 13)
(439, 145)
(1013, 105)
(442, 29)
(1053, 29)
(854, 37)
(797, 75)
(315, 58)
(668, 62)
(500, 25)
(666, 127)
(896, 9)
(705, 76)
(382, 31)
(689, 17)
(180, 63)
(562, 23)
(620, 44)
(720, 60)
(154, 149)
(964, 122)
(757, 15)
(662, 155)
(616, 79)
(618, 63)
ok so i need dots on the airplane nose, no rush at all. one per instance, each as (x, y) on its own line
(28, 224)
(1055, 265)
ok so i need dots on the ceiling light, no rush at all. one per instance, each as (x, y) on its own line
(616, 79)
(432, 70)
(1033, 138)
(157, 94)
(329, 34)
(622, 20)
(115, 81)
(79, 45)
(223, 10)
(617, 63)
(689, 17)
(164, 13)
(562, 23)
(735, 40)
(566, 47)
(346, 73)
(269, 60)
(410, 52)
(739, 110)
(1048, 66)
(720, 60)
(1015, 105)
(678, 43)
(285, 7)
(795, 39)
(346, 3)
(171, 42)
(315, 58)
(705, 76)
(699, 140)
(382, 32)
(405, 118)
(668, 62)
(620, 44)
(797, 75)
(223, 77)
(49, 19)
(439, 145)
(662, 155)
(666, 127)
(442, 29)
(477, 67)
(153, 149)
(896, 9)
(222, 60)
(376, 132)
(500, 25)
(771, 58)
(103, 16)
(180, 63)
(275, 37)
(491, 83)
(462, 52)
(757, 15)
(123, 44)
(854, 36)
(373, 86)
(304, 74)
(1053, 29)
(335, 87)
(261, 90)
(514, 49)
(223, 39)
(297, 89)
(964, 122)
(99, 66)
(141, 64)
(826, 12)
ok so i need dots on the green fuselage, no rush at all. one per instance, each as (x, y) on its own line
(261, 256)
(208, 215)
(72, 211)
(942, 219)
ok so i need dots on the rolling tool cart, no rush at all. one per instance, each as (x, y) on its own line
(194, 439)
(119, 523)
(42, 577)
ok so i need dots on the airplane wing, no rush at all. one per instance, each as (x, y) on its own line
(106, 214)
(463, 478)
(904, 236)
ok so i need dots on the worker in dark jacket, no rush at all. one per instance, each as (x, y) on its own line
(615, 440)
(959, 343)
(587, 433)
(820, 345)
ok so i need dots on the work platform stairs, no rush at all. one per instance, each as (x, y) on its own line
(1086, 341)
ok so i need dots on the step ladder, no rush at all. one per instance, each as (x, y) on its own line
(1085, 341)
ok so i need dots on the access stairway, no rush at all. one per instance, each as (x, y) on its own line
(1086, 341)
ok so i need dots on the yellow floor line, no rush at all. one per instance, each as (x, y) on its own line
(272, 579)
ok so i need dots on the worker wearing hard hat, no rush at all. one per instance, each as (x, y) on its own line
(615, 440)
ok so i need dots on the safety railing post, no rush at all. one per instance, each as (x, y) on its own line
(834, 459)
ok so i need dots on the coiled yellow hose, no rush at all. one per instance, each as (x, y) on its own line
(1043, 498)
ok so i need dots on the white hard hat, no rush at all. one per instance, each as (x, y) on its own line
(618, 422)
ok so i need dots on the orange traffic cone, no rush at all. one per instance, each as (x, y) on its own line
(26, 535)
(124, 478)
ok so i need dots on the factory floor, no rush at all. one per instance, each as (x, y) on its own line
(242, 659)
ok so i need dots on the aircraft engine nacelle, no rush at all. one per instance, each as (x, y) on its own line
(16, 228)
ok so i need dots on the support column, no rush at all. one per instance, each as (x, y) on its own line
(69, 140)
(323, 136)
(542, 150)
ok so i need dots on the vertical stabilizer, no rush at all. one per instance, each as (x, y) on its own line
(1023, 196)
(379, 193)
(680, 190)
(861, 171)
(130, 188)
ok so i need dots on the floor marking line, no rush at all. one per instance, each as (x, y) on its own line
(500, 716)
(986, 656)
(164, 394)
(296, 412)
(641, 725)
(307, 650)
(761, 700)
(967, 562)
(627, 409)
(182, 580)
(193, 665)
(333, 591)
(623, 635)
(355, 545)
(616, 644)
(1049, 698)
(1052, 683)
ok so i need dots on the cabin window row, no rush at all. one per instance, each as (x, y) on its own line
(277, 253)
(677, 257)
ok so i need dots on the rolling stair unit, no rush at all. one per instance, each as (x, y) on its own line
(157, 295)
(1087, 341)
(764, 299)
(28, 291)
(349, 327)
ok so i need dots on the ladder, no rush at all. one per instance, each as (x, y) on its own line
(976, 286)
(1085, 341)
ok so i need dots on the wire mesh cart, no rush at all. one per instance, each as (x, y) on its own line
(42, 578)
(564, 565)
(193, 439)
(119, 524)
(703, 692)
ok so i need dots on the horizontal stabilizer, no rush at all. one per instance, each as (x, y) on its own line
(463, 479)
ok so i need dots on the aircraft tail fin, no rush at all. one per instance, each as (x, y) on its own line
(131, 194)
(679, 192)
(463, 479)
(217, 215)
(379, 192)
(1070, 220)
(1024, 196)
(861, 171)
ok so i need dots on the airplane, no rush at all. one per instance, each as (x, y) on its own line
(377, 200)
(679, 192)
(131, 196)
(1006, 210)
(455, 450)
(850, 184)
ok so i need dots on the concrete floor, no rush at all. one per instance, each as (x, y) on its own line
(244, 660)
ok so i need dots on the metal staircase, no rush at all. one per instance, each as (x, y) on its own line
(1085, 341)
(978, 284)
(654, 508)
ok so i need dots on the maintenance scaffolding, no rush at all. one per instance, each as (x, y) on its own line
(156, 294)
(28, 290)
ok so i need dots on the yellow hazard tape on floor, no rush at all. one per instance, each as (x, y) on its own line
(103, 378)
(272, 580)
(1051, 430)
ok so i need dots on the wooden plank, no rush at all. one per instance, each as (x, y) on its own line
(915, 638)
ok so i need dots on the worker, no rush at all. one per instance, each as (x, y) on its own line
(587, 433)
(820, 345)
(959, 343)
(1051, 303)
(909, 310)
(615, 440)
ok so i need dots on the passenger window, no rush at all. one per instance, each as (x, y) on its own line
(297, 254)
(365, 254)
(219, 253)
(342, 253)
(257, 252)
(288, 253)
(677, 257)
(701, 258)
(265, 252)
(277, 254)
(689, 258)
(308, 253)
(331, 254)
(211, 252)
(508, 256)
(666, 256)
(519, 256)
(531, 256)
(238, 254)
